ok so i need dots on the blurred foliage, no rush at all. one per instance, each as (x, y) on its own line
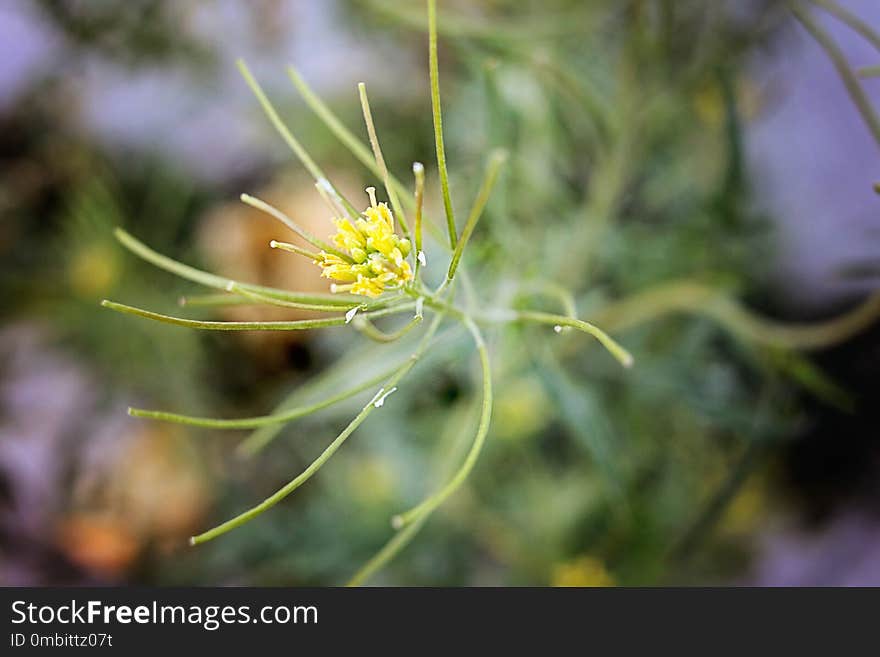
(624, 122)
(137, 33)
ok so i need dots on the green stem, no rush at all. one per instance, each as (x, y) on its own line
(654, 302)
(285, 132)
(850, 19)
(295, 325)
(794, 336)
(621, 354)
(331, 449)
(554, 291)
(503, 316)
(438, 121)
(329, 380)
(262, 420)
(275, 213)
(214, 300)
(293, 248)
(390, 550)
(257, 297)
(850, 81)
(218, 282)
(419, 173)
(699, 299)
(380, 160)
(354, 145)
(437, 304)
(326, 115)
(369, 329)
(435, 500)
(492, 168)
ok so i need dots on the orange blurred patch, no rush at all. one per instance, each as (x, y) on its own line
(98, 543)
(157, 488)
(150, 495)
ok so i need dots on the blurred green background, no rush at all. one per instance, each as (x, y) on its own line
(693, 172)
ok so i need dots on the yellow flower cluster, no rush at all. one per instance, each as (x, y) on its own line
(585, 571)
(375, 257)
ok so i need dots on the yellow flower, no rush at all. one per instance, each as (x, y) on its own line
(375, 255)
(585, 571)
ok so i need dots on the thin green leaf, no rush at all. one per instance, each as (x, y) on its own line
(263, 420)
(380, 159)
(218, 282)
(497, 158)
(295, 325)
(850, 81)
(438, 122)
(274, 212)
(368, 329)
(850, 19)
(621, 354)
(284, 131)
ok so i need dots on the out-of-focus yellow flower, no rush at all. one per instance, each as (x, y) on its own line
(373, 480)
(93, 270)
(375, 256)
(583, 571)
(521, 409)
(747, 510)
(709, 102)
